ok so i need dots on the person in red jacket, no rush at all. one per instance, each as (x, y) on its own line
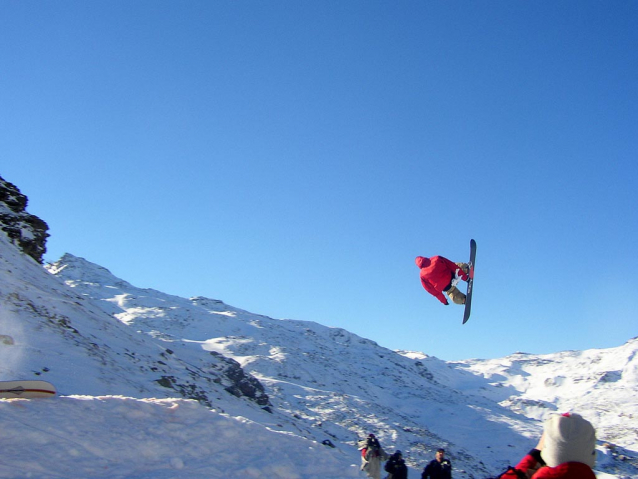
(566, 450)
(440, 275)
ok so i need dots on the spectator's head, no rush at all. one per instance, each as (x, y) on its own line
(569, 438)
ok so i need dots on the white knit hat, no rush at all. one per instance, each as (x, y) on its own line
(569, 438)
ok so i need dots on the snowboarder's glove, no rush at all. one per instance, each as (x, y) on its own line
(460, 274)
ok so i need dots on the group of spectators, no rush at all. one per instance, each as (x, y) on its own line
(373, 456)
(566, 450)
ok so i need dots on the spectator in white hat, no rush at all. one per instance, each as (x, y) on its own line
(566, 450)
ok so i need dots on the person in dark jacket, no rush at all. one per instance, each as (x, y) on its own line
(396, 467)
(440, 275)
(438, 468)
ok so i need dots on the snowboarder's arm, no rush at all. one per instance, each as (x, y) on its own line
(455, 269)
(430, 289)
(442, 298)
(462, 274)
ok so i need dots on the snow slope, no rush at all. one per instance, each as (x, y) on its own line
(120, 437)
(601, 382)
(335, 385)
(112, 418)
(157, 386)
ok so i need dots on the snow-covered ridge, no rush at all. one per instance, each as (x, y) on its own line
(125, 358)
(599, 381)
(329, 376)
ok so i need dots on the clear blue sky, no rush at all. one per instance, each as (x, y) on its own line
(292, 158)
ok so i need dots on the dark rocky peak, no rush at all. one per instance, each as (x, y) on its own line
(26, 231)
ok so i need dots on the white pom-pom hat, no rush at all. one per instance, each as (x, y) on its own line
(569, 438)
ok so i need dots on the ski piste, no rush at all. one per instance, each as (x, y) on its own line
(470, 282)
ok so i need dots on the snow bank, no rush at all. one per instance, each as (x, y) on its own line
(122, 437)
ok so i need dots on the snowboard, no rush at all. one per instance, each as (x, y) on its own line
(470, 282)
(26, 389)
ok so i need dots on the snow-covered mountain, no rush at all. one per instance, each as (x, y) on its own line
(123, 409)
(158, 386)
(600, 382)
(333, 384)
(111, 347)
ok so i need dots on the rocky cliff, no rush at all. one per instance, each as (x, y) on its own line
(25, 230)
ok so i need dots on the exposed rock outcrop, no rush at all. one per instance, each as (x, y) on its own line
(25, 230)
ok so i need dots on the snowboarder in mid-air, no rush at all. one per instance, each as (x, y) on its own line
(440, 275)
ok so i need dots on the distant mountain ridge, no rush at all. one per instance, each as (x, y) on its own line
(602, 382)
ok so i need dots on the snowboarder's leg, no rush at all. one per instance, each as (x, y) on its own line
(455, 295)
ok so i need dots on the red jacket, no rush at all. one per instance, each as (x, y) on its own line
(437, 273)
(566, 470)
